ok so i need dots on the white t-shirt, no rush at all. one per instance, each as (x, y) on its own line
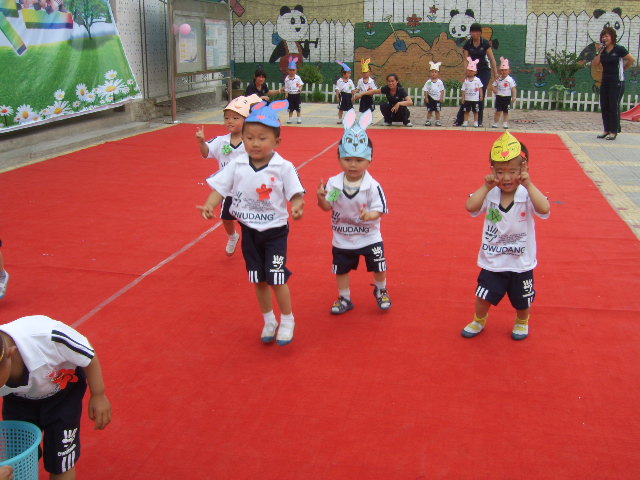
(293, 85)
(472, 89)
(221, 149)
(51, 351)
(365, 87)
(434, 89)
(345, 86)
(259, 196)
(349, 231)
(508, 238)
(504, 85)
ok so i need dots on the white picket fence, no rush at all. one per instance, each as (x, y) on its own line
(527, 100)
(253, 43)
(570, 33)
(507, 12)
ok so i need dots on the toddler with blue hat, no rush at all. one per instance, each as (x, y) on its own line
(261, 183)
(357, 202)
(293, 88)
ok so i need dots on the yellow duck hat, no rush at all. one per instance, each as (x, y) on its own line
(365, 64)
(506, 148)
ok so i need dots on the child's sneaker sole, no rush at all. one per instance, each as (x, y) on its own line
(285, 334)
(520, 332)
(269, 332)
(342, 305)
(472, 330)
(384, 302)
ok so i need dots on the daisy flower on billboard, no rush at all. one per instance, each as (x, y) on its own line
(91, 97)
(45, 112)
(130, 81)
(59, 108)
(81, 91)
(110, 88)
(24, 113)
(59, 95)
(5, 110)
(124, 89)
(76, 104)
(111, 75)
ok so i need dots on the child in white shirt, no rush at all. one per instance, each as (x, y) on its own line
(504, 88)
(472, 95)
(344, 90)
(433, 93)
(508, 253)
(292, 89)
(365, 84)
(357, 202)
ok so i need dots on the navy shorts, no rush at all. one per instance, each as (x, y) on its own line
(345, 260)
(366, 103)
(503, 103)
(294, 102)
(59, 418)
(469, 106)
(492, 286)
(434, 105)
(265, 254)
(226, 205)
(346, 102)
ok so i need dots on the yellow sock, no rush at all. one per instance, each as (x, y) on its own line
(481, 321)
(523, 321)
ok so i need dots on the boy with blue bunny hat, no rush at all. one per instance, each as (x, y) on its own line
(261, 183)
(357, 202)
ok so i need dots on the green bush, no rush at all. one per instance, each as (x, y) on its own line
(310, 74)
(452, 84)
(564, 64)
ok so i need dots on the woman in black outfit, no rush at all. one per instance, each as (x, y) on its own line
(395, 109)
(615, 59)
(479, 48)
(259, 86)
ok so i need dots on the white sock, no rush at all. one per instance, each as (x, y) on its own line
(382, 284)
(287, 319)
(346, 293)
(269, 317)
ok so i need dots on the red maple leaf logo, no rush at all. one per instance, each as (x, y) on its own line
(63, 376)
(264, 192)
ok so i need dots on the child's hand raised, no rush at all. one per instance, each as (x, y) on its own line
(365, 214)
(206, 211)
(322, 192)
(200, 134)
(297, 209)
(524, 178)
(491, 181)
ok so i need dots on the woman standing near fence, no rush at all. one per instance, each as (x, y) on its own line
(615, 59)
(479, 48)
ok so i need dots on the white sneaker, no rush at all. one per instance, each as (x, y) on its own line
(269, 332)
(505, 125)
(438, 123)
(290, 120)
(299, 119)
(3, 285)
(427, 123)
(409, 124)
(465, 124)
(285, 333)
(387, 124)
(495, 125)
(475, 124)
(232, 243)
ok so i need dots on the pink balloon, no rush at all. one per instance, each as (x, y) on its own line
(185, 29)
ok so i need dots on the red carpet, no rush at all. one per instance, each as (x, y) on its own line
(368, 395)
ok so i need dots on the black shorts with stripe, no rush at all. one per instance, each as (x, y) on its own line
(346, 101)
(503, 103)
(59, 418)
(226, 205)
(295, 100)
(345, 260)
(492, 287)
(366, 103)
(471, 106)
(265, 254)
(434, 105)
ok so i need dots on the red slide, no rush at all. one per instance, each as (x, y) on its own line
(632, 115)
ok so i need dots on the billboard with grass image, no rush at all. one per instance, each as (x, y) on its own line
(59, 58)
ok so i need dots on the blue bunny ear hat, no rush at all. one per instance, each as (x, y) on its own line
(267, 114)
(355, 141)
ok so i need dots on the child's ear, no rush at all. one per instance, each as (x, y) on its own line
(278, 140)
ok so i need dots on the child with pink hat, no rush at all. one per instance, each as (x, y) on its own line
(472, 95)
(504, 88)
(224, 149)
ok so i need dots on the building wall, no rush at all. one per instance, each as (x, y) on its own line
(402, 36)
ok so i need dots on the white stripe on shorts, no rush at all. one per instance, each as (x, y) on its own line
(482, 292)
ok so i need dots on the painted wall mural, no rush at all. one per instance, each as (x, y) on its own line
(402, 36)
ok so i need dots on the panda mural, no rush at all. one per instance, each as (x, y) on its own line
(290, 37)
(460, 24)
(600, 20)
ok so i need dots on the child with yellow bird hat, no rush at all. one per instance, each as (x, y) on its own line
(365, 84)
(507, 256)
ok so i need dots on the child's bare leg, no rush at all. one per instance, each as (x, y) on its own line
(344, 281)
(466, 116)
(283, 297)
(68, 475)
(437, 115)
(482, 307)
(496, 117)
(479, 319)
(263, 292)
(380, 276)
(506, 118)
(229, 226)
